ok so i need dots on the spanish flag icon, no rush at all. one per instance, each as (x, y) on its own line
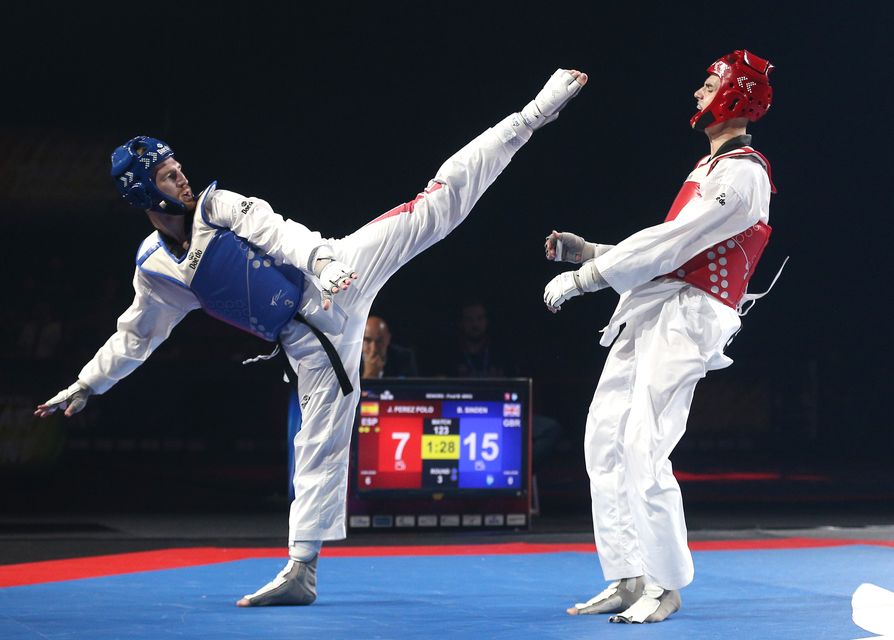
(369, 408)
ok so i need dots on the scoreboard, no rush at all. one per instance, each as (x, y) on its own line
(441, 442)
(435, 453)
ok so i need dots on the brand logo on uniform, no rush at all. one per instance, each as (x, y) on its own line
(194, 257)
(721, 68)
(149, 158)
(304, 400)
(721, 199)
(246, 205)
(748, 86)
(276, 297)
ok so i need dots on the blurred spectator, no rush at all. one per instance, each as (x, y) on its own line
(41, 333)
(381, 358)
(478, 356)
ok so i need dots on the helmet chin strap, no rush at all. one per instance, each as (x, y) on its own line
(172, 207)
(704, 121)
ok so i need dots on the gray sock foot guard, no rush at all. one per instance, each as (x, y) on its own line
(655, 605)
(619, 596)
(295, 585)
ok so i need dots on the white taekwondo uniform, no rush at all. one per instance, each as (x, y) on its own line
(376, 251)
(675, 333)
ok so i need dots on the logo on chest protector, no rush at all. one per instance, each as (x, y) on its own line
(194, 257)
(278, 296)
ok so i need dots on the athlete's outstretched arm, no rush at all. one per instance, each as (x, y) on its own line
(157, 307)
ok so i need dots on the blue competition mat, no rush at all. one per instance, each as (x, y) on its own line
(786, 594)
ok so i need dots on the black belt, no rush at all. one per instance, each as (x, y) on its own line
(343, 380)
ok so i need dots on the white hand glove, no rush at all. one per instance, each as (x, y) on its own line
(72, 399)
(555, 94)
(561, 246)
(561, 288)
(565, 247)
(335, 276)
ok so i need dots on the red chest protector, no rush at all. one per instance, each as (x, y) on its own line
(723, 270)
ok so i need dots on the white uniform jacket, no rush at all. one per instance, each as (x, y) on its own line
(733, 195)
(160, 304)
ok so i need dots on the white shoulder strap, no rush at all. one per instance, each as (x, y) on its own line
(742, 309)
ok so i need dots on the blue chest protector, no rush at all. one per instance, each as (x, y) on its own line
(235, 282)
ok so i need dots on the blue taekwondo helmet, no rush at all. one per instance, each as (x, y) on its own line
(133, 166)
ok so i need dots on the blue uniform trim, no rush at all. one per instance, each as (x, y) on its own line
(141, 258)
(172, 256)
(208, 191)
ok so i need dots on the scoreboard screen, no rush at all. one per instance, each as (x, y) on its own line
(442, 435)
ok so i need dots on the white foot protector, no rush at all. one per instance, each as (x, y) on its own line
(295, 585)
(617, 597)
(873, 610)
(555, 94)
(655, 605)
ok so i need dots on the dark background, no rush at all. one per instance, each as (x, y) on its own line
(335, 113)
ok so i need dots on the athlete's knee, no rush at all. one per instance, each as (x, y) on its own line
(601, 447)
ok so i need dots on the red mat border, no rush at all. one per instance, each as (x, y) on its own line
(26, 573)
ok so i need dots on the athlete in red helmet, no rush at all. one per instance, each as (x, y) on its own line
(683, 286)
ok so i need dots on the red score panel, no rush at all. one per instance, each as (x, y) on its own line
(390, 436)
(399, 463)
(400, 444)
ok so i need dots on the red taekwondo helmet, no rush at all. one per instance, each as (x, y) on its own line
(744, 90)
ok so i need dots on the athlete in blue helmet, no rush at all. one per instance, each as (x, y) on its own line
(235, 258)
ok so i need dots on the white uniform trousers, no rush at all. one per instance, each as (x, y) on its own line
(637, 416)
(376, 251)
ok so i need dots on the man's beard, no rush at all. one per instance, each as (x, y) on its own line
(189, 202)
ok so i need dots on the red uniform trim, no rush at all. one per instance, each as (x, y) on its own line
(747, 151)
(688, 191)
(407, 207)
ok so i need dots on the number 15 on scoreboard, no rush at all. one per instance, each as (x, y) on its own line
(489, 447)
